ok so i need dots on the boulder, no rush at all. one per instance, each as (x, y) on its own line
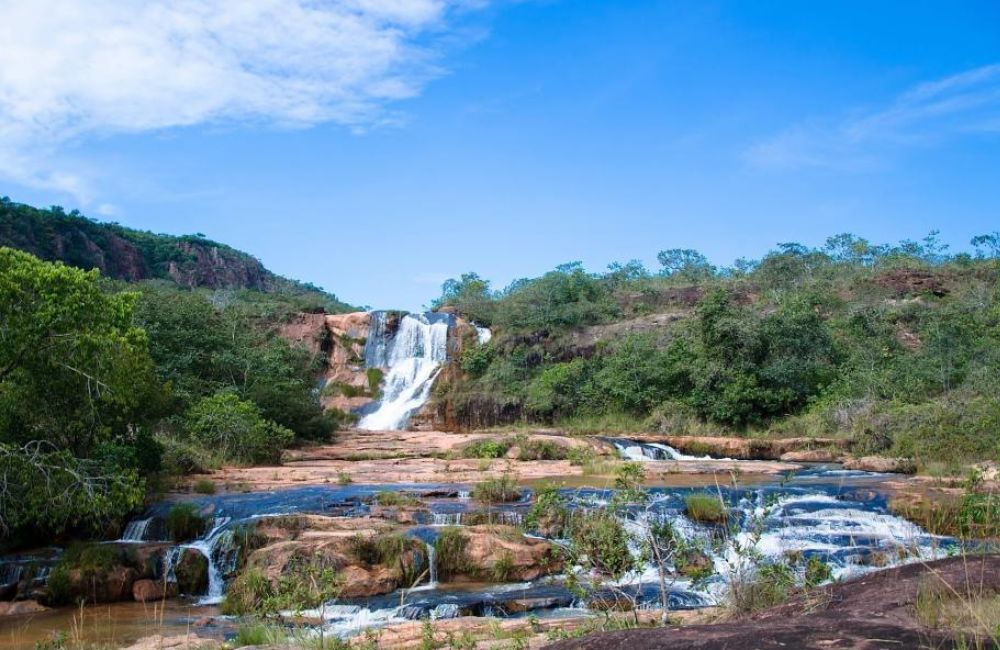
(145, 590)
(101, 586)
(191, 572)
(146, 558)
(409, 515)
(521, 558)
(811, 456)
(359, 582)
(335, 548)
(881, 464)
(21, 607)
(184, 642)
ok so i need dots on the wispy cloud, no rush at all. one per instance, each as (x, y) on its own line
(963, 104)
(72, 70)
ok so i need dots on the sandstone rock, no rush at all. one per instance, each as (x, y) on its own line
(182, 642)
(401, 514)
(811, 456)
(21, 607)
(146, 558)
(363, 583)
(521, 558)
(145, 591)
(881, 464)
(331, 541)
(191, 571)
(101, 586)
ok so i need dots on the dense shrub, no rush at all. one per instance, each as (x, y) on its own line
(502, 489)
(236, 429)
(185, 523)
(450, 550)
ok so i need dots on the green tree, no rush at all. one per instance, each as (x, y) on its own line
(685, 263)
(74, 370)
(236, 429)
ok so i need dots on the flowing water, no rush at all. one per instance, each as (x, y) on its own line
(823, 512)
(411, 356)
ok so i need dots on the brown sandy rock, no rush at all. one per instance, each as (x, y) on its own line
(881, 464)
(21, 607)
(872, 612)
(527, 558)
(180, 642)
(811, 456)
(191, 571)
(146, 591)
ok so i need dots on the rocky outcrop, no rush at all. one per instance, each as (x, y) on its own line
(351, 546)
(875, 611)
(504, 554)
(191, 571)
(146, 591)
(882, 464)
(109, 585)
(21, 607)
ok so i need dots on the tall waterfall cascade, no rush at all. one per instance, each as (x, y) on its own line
(411, 355)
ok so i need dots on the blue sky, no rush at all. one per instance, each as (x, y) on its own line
(378, 147)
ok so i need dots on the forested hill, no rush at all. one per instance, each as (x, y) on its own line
(894, 347)
(190, 261)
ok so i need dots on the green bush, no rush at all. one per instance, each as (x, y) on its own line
(486, 448)
(204, 486)
(184, 523)
(450, 550)
(390, 498)
(768, 585)
(599, 538)
(181, 457)
(379, 549)
(706, 508)
(549, 514)
(502, 489)
(237, 429)
(541, 450)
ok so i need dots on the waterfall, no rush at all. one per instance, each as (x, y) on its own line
(483, 334)
(219, 550)
(10, 573)
(432, 567)
(136, 530)
(412, 356)
(645, 451)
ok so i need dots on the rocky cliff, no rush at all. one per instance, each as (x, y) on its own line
(348, 385)
(125, 254)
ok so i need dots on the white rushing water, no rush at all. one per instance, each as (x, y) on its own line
(412, 357)
(646, 451)
(136, 530)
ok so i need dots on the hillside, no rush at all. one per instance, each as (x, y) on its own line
(190, 261)
(891, 346)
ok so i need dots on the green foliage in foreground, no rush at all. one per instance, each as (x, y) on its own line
(306, 584)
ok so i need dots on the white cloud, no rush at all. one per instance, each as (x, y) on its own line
(71, 69)
(962, 104)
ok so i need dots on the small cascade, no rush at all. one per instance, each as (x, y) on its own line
(647, 451)
(444, 611)
(483, 334)
(446, 519)
(412, 354)
(136, 530)
(432, 567)
(219, 549)
(10, 573)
